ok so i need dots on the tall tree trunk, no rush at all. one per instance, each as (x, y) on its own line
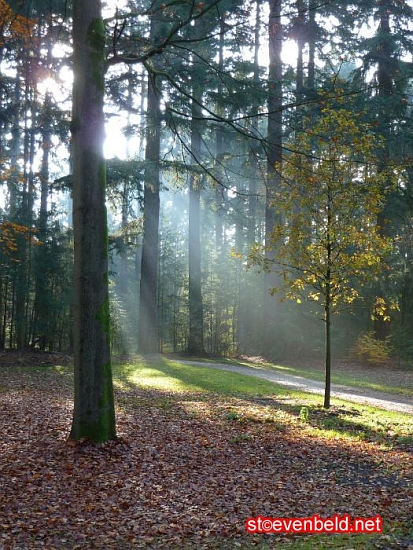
(196, 310)
(148, 337)
(312, 36)
(94, 412)
(274, 158)
(123, 256)
(41, 329)
(195, 303)
(253, 155)
(13, 181)
(41, 332)
(250, 308)
(385, 81)
(300, 37)
(25, 217)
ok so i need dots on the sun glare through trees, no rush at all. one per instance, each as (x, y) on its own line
(209, 109)
(206, 213)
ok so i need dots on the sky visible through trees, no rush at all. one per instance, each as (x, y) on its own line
(205, 68)
(210, 179)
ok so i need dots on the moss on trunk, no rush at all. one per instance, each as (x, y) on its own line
(94, 412)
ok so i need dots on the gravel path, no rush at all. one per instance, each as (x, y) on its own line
(389, 401)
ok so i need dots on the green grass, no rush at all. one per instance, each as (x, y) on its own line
(248, 401)
(363, 378)
(343, 420)
(164, 374)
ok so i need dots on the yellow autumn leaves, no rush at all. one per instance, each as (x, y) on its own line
(327, 241)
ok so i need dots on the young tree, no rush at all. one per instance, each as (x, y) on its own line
(329, 240)
(94, 413)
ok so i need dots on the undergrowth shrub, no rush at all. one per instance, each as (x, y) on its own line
(370, 350)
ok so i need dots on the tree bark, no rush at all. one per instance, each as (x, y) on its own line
(148, 338)
(327, 389)
(148, 335)
(195, 303)
(94, 413)
(385, 81)
(196, 310)
(274, 158)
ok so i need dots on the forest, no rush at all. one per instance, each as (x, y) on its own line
(245, 143)
(200, 200)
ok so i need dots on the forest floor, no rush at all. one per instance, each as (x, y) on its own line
(191, 465)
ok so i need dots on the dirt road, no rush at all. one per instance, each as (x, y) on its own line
(389, 401)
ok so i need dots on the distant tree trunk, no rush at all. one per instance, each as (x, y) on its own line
(250, 302)
(123, 256)
(17, 325)
(195, 302)
(13, 180)
(41, 328)
(220, 191)
(148, 337)
(385, 81)
(274, 158)
(123, 253)
(300, 38)
(196, 310)
(312, 35)
(25, 216)
(40, 331)
(94, 413)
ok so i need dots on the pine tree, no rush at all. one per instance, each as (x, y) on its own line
(94, 413)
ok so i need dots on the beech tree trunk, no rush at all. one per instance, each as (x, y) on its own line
(94, 414)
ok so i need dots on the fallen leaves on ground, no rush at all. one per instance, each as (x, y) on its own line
(185, 472)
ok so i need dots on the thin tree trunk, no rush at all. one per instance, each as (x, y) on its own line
(385, 81)
(327, 390)
(300, 26)
(312, 36)
(41, 330)
(26, 215)
(94, 413)
(327, 303)
(123, 256)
